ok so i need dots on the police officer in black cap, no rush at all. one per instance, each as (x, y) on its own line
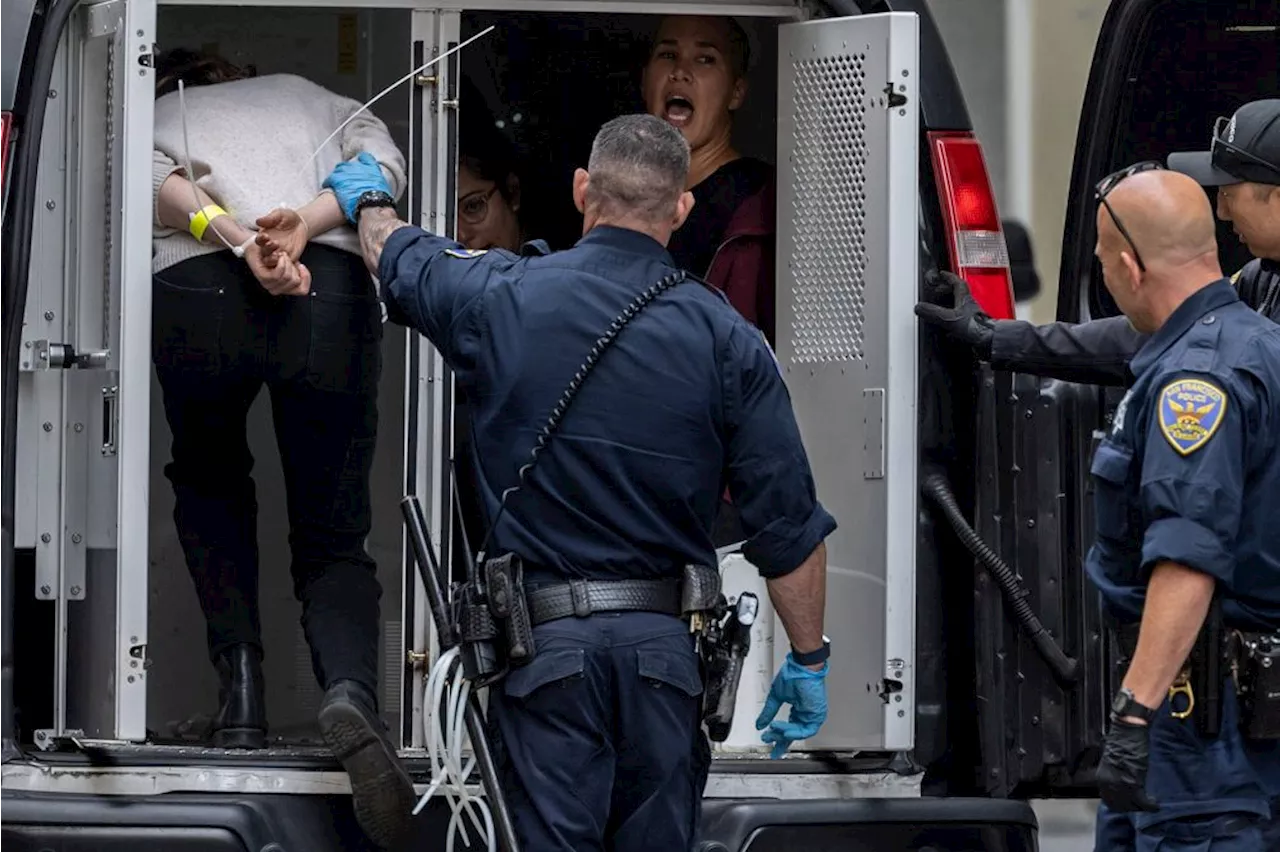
(598, 737)
(1243, 162)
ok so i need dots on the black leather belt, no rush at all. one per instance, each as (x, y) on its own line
(581, 598)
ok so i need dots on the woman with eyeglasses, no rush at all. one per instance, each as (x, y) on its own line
(488, 192)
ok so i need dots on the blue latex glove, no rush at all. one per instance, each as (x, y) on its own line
(806, 691)
(352, 179)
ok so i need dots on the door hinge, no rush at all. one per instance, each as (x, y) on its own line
(48, 739)
(104, 19)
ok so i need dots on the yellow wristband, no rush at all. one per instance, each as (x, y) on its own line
(200, 221)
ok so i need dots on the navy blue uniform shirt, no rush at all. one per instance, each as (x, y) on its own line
(687, 400)
(1190, 472)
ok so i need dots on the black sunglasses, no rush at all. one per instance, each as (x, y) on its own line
(1110, 182)
(1224, 155)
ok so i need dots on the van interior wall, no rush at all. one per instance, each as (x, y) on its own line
(551, 80)
(1197, 62)
(357, 54)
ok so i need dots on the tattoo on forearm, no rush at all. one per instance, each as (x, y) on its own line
(374, 232)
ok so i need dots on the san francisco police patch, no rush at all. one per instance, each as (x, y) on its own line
(1191, 410)
(465, 254)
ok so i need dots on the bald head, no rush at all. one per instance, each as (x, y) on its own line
(1166, 213)
(1170, 223)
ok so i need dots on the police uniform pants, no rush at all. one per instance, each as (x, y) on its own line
(217, 338)
(1215, 795)
(598, 740)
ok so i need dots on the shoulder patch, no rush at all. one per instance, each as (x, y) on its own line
(772, 354)
(465, 254)
(1191, 411)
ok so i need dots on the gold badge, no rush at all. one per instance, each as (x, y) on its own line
(1191, 410)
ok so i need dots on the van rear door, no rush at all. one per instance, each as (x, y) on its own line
(77, 255)
(848, 219)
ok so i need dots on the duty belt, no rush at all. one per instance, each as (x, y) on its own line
(582, 598)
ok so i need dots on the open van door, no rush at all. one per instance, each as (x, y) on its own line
(77, 251)
(847, 214)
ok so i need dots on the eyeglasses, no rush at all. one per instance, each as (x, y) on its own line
(1110, 182)
(1224, 155)
(474, 208)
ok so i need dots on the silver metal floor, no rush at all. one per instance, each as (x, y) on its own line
(1066, 825)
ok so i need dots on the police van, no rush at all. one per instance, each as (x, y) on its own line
(969, 671)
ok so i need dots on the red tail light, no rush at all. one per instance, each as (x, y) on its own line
(975, 238)
(4, 148)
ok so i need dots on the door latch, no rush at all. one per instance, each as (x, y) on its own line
(895, 97)
(46, 355)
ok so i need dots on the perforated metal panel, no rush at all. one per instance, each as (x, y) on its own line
(828, 258)
(847, 241)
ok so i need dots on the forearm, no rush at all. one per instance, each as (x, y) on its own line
(377, 224)
(800, 599)
(322, 214)
(1096, 352)
(1177, 602)
(177, 201)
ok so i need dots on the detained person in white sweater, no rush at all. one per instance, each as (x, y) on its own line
(301, 318)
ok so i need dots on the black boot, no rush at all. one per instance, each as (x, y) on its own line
(242, 719)
(381, 789)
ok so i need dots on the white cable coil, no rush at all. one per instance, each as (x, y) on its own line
(447, 693)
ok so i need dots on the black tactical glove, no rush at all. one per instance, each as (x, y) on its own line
(1122, 774)
(966, 322)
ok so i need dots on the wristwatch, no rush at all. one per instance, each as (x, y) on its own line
(1124, 704)
(812, 658)
(372, 198)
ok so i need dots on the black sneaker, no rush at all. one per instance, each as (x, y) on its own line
(381, 790)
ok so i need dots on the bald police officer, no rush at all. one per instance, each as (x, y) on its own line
(1243, 163)
(599, 737)
(1186, 486)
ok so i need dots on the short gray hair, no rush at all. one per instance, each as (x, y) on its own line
(638, 167)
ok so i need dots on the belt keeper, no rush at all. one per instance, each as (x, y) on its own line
(581, 601)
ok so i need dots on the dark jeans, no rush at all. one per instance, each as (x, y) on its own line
(598, 740)
(217, 338)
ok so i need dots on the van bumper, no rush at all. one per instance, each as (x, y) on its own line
(236, 822)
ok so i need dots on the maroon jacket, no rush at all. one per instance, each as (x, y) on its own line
(743, 265)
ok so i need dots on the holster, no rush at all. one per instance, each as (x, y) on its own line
(724, 639)
(1255, 669)
(505, 578)
(491, 619)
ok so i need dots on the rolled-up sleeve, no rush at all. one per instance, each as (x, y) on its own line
(1193, 473)
(768, 473)
(434, 285)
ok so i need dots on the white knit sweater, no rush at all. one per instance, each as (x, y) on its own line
(249, 142)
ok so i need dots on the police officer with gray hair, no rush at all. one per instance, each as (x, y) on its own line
(1243, 162)
(644, 394)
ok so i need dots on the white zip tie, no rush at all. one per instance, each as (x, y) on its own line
(386, 91)
(239, 251)
(446, 695)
